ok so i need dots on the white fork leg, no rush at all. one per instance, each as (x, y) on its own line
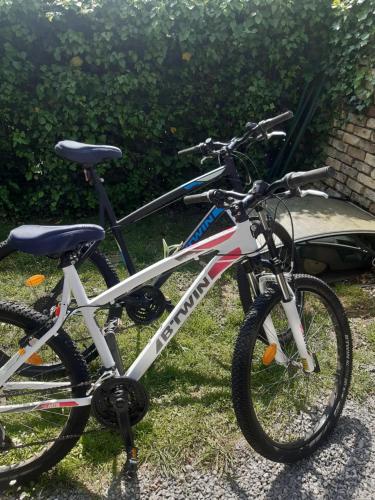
(295, 324)
(272, 338)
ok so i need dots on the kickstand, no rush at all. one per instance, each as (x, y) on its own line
(120, 404)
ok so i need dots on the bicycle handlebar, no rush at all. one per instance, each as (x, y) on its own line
(256, 131)
(276, 120)
(197, 198)
(260, 189)
(296, 179)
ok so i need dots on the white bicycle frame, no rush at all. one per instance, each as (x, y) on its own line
(229, 247)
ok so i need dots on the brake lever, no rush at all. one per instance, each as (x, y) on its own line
(276, 133)
(313, 192)
(301, 193)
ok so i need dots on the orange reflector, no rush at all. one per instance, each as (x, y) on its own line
(35, 280)
(35, 359)
(21, 351)
(269, 354)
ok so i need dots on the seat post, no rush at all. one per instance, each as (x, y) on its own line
(106, 210)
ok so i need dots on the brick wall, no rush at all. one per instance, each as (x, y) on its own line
(351, 152)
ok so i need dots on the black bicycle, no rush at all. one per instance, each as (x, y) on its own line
(148, 303)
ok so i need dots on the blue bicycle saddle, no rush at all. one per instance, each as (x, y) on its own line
(52, 240)
(87, 154)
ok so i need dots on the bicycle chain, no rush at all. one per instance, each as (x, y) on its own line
(63, 438)
(45, 391)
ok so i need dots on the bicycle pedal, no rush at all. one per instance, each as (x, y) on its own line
(131, 464)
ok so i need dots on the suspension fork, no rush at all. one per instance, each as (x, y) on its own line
(288, 300)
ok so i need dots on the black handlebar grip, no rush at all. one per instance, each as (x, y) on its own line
(276, 120)
(296, 179)
(193, 149)
(197, 198)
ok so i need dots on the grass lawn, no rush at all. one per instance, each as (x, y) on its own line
(190, 420)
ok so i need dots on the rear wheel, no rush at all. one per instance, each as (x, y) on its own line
(283, 412)
(32, 442)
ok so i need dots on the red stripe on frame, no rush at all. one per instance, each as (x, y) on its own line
(216, 241)
(224, 262)
(61, 404)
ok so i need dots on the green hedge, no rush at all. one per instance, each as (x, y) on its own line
(152, 76)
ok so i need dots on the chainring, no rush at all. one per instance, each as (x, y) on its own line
(102, 408)
(145, 305)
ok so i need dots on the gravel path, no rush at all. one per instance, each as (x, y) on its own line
(342, 469)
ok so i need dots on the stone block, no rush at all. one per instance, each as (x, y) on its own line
(370, 159)
(338, 155)
(371, 123)
(339, 133)
(350, 171)
(332, 162)
(343, 157)
(367, 181)
(369, 194)
(362, 167)
(337, 144)
(365, 133)
(367, 146)
(360, 200)
(330, 181)
(360, 143)
(349, 127)
(340, 177)
(342, 188)
(355, 186)
(351, 139)
(357, 119)
(356, 153)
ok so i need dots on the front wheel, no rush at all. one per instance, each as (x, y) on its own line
(283, 412)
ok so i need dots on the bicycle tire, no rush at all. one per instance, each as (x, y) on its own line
(21, 316)
(244, 395)
(241, 275)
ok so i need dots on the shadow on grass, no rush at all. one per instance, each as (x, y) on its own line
(164, 380)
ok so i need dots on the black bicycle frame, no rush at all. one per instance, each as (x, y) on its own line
(106, 211)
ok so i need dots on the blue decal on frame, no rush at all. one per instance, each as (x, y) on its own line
(206, 223)
(192, 185)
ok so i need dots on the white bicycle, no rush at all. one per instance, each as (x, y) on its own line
(288, 390)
